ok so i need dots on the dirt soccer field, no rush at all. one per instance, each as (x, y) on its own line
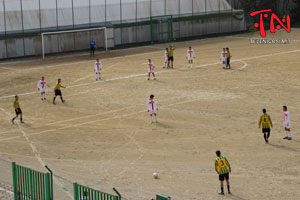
(102, 136)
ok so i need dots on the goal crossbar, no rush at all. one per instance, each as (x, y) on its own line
(73, 31)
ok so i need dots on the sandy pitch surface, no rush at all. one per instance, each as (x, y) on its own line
(102, 136)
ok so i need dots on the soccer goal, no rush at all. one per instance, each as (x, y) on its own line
(161, 29)
(73, 40)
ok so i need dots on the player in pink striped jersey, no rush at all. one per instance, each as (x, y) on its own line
(98, 67)
(151, 69)
(41, 87)
(152, 108)
(190, 55)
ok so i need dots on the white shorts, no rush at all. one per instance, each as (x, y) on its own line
(150, 71)
(166, 59)
(152, 112)
(42, 89)
(98, 71)
(190, 58)
(224, 60)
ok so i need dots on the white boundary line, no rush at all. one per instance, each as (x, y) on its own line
(159, 72)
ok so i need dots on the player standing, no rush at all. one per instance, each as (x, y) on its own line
(152, 108)
(98, 67)
(151, 69)
(17, 110)
(171, 56)
(166, 57)
(92, 48)
(287, 124)
(223, 168)
(41, 87)
(190, 55)
(224, 58)
(57, 91)
(228, 58)
(265, 121)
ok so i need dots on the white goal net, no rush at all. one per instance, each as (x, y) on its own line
(73, 40)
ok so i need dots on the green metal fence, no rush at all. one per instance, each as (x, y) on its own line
(29, 184)
(86, 193)
(161, 29)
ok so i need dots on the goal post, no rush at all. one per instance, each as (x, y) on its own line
(161, 28)
(79, 39)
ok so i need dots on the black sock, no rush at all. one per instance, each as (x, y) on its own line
(54, 99)
(61, 99)
(268, 135)
(265, 136)
(14, 118)
(228, 188)
(21, 119)
(222, 190)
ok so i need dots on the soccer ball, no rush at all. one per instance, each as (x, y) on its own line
(155, 175)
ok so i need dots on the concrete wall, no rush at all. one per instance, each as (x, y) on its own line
(31, 46)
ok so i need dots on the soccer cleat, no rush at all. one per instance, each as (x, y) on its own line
(148, 79)
(221, 193)
(12, 121)
(96, 79)
(289, 138)
(54, 103)
(285, 138)
(22, 122)
(63, 101)
(229, 192)
(156, 121)
(154, 78)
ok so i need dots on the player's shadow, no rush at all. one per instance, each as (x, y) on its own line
(283, 147)
(235, 197)
(162, 125)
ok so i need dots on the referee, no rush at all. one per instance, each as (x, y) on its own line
(223, 168)
(265, 121)
(57, 91)
(17, 110)
(171, 56)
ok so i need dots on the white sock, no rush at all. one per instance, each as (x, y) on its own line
(151, 118)
(287, 133)
(290, 134)
(155, 117)
(44, 96)
(224, 65)
(96, 76)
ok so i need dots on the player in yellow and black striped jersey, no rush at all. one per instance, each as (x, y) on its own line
(57, 91)
(265, 122)
(223, 168)
(17, 110)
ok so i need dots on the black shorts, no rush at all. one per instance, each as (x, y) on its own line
(92, 49)
(228, 61)
(224, 176)
(57, 92)
(171, 58)
(18, 111)
(266, 130)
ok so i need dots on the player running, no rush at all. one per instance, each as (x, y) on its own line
(224, 58)
(265, 121)
(190, 55)
(223, 168)
(151, 69)
(17, 110)
(41, 87)
(287, 123)
(98, 68)
(166, 57)
(152, 108)
(171, 56)
(57, 91)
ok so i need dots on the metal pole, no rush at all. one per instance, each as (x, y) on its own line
(43, 47)
(22, 20)
(40, 16)
(90, 20)
(56, 17)
(105, 36)
(206, 26)
(73, 13)
(219, 16)
(5, 28)
(165, 7)
(136, 16)
(150, 8)
(105, 11)
(121, 19)
(119, 195)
